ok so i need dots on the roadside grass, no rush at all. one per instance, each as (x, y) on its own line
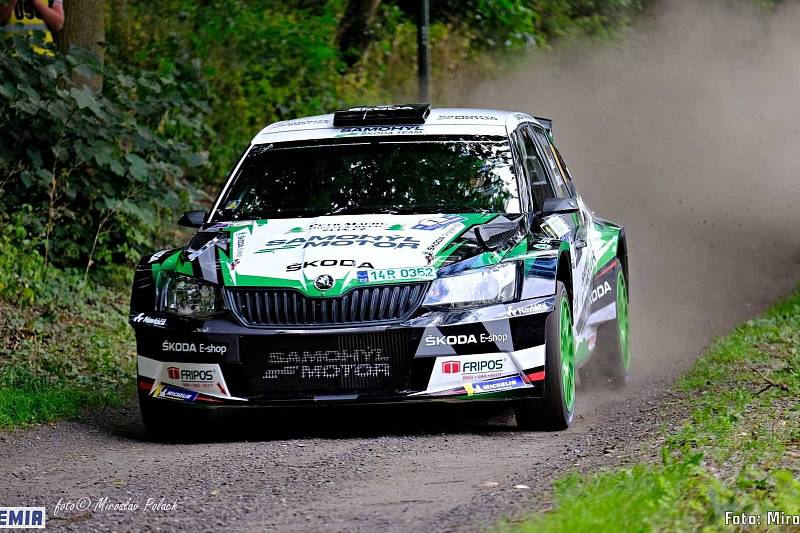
(737, 452)
(64, 346)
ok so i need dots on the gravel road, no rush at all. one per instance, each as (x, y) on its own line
(699, 163)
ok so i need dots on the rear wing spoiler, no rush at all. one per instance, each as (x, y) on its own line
(547, 123)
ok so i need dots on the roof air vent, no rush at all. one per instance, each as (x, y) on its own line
(382, 115)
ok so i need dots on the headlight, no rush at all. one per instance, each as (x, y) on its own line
(491, 285)
(190, 297)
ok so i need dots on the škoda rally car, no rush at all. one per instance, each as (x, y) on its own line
(387, 254)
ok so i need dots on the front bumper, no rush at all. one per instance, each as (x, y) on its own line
(489, 353)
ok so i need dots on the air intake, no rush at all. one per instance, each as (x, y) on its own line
(271, 307)
(382, 115)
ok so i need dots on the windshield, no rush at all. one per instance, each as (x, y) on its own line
(420, 174)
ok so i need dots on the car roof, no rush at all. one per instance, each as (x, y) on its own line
(441, 121)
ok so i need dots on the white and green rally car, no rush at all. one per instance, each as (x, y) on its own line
(387, 254)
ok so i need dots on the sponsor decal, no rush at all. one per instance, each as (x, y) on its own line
(294, 267)
(455, 340)
(238, 252)
(433, 224)
(193, 374)
(293, 123)
(475, 369)
(466, 117)
(483, 365)
(382, 130)
(451, 367)
(524, 310)
(557, 226)
(434, 246)
(323, 282)
(173, 393)
(191, 347)
(396, 274)
(389, 107)
(345, 239)
(275, 374)
(344, 227)
(328, 364)
(156, 256)
(205, 378)
(142, 318)
(600, 291)
(495, 385)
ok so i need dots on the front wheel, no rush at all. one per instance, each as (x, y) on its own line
(556, 409)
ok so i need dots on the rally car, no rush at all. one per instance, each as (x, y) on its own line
(387, 254)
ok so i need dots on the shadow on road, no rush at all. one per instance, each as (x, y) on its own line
(332, 422)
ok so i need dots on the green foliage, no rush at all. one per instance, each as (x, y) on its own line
(94, 173)
(265, 61)
(64, 345)
(512, 24)
(679, 495)
(734, 454)
(25, 400)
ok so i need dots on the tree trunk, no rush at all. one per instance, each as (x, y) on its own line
(353, 35)
(84, 26)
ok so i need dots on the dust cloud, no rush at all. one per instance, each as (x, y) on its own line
(685, 130)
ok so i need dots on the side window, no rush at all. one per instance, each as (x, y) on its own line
(534, 170)
(519, 156)
(559, 186)
(563, 165)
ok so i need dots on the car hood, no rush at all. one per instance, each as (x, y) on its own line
(325, 256)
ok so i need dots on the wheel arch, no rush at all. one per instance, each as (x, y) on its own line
(622, 255)
(564, 274)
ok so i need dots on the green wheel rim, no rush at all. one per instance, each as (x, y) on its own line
(622, 322)
(567, 355)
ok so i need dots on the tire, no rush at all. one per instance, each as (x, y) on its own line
(168, 420)
(611, 360)
(556, 409)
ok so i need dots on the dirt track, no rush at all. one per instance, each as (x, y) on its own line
(687, 134)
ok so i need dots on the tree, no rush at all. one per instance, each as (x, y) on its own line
(353, 35)
(84, 26)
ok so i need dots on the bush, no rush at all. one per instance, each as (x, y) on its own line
(263, 61)
(65, 345)
(93, 172)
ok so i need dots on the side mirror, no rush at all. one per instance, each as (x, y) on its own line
(553, 206)
(192, 219)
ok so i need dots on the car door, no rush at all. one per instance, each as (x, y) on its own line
(533, 165)
(572, 227)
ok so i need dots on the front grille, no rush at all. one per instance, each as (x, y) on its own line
(336, 364)
(287, 307)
